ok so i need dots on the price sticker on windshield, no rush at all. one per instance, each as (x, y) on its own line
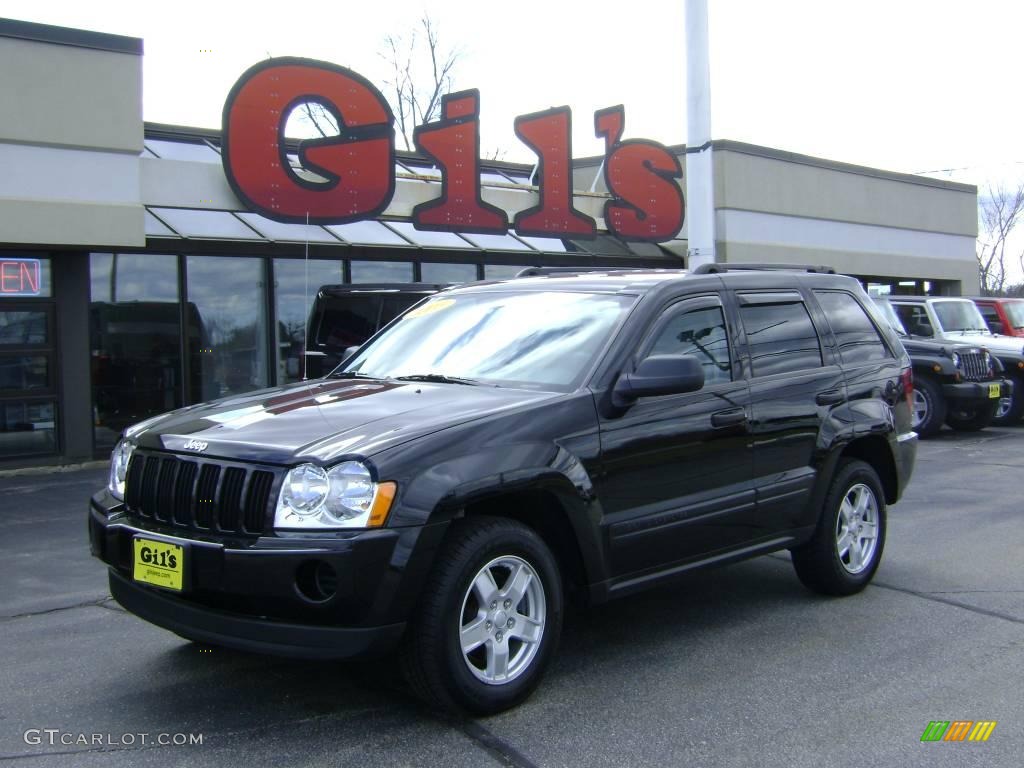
(430, 308)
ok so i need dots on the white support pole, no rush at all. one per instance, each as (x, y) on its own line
(700, 181)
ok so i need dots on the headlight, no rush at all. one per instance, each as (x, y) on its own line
(956, 360)
(119, 468)
(344, 496)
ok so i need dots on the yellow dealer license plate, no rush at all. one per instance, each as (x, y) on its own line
(159, 563)
(993, 390)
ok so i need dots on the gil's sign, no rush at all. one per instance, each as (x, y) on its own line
(358, 165)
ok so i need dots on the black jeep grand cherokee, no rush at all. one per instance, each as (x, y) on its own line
(505, 444)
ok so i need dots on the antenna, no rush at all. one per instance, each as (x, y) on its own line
(305, 295)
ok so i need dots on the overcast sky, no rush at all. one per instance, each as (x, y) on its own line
(904, 85)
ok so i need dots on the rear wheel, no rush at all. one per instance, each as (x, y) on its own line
(929, 407)
(844, 553)
(489, 620)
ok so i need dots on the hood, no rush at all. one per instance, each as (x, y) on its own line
(993, 342)
(945, 348)
(323, 419)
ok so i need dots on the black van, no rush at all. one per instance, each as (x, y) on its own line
(346, 315)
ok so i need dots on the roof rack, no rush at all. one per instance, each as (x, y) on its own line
(541, 271)
(714, 269)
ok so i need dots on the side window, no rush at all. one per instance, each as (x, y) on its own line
(914, 319)
(701, 333)
(858, 338)
(991, 316)
(781, 337)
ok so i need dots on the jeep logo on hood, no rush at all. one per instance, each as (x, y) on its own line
(195, 445)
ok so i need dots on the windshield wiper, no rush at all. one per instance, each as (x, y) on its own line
(350, 375)
(438, 378)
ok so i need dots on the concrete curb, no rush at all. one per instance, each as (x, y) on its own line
(54, 470)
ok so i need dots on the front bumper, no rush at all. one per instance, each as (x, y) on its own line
(247, 633)
(250, 593)
(976, 391)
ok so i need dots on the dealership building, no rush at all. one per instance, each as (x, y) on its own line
(134, 280)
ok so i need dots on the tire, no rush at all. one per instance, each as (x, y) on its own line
(929, 407)
(1011, 409)
(459, 601)
(823, 564)
(971, 418)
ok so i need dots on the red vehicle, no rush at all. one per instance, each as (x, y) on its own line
(1002, 315)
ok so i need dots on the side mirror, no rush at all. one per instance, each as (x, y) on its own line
(349, 351)
(659, 375)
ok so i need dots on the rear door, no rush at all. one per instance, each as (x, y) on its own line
(872, 368)
(795, 381)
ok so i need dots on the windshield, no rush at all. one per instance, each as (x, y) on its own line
(543, 340)
(888, 314)
(1015, 313)
(959, 316)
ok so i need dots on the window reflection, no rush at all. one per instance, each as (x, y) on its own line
(781, 338)
(447, 273)
(296, 284)
(23, 328)
(24, 372)
(135, 332)
(381, 272)
(539, 340)
(701, 334)
(227, 349)
(27, 428)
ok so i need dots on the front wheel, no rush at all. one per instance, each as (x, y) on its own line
(971, 418)
(1011, 409)
(929, 407)
(844, 553)
(489, 619)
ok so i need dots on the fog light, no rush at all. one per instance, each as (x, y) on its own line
(316, 581)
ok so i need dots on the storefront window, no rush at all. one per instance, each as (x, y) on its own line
(24, 276)
(24, 372)
(447, 273)
(296, 283)
(22, 328)
(27, 428)
(228, 346)
(28, 364)
(135, 327)
(381, 272)
(501, 271)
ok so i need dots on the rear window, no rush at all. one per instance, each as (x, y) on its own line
(781, 337)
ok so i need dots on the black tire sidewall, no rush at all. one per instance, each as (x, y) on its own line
(464, 688)
(981, 416)
(850, 474)
(932, 393)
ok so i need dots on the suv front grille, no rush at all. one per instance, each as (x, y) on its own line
(198, 495)
(972, 366)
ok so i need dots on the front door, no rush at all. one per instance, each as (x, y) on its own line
(677, 471)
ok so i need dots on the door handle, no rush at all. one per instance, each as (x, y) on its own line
(830, 397)
(728, 418)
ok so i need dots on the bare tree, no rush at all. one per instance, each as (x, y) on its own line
(999, 212)
(421, 73)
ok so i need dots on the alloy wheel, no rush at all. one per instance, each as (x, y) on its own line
(920, 409)
(502, 620)
(857, 528)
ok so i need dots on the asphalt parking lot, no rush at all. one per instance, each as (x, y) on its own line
(738, 666)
